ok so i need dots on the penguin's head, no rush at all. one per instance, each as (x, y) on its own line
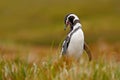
(70, 20)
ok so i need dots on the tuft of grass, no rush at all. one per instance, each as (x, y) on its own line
(59, 70)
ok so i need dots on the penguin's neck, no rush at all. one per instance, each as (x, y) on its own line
(77, 25)
(75, 28)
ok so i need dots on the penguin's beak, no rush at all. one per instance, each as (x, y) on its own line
(66, 25)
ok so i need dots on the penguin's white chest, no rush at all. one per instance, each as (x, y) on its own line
(75, 48)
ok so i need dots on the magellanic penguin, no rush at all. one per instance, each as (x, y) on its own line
(74, 44)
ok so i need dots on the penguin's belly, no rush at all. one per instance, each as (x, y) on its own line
(75, 48)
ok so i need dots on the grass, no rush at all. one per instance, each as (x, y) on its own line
(49, 70)
(27, 28)
(38, 63)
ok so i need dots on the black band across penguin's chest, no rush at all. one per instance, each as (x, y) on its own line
(67, 41)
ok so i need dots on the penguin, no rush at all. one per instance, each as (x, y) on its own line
(74, 44)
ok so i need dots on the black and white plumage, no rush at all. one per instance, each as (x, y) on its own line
(74, 43)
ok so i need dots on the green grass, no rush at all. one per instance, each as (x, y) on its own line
(50, 70)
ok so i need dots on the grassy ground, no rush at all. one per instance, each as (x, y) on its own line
(49, 70)
(31, 32)
(42, 63)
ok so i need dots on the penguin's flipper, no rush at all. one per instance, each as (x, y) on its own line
(86, 48)
(65, 45)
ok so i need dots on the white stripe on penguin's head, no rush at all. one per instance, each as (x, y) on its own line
(70, 19)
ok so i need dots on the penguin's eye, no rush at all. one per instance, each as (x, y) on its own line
(67, 23)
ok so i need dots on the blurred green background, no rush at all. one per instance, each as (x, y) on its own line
(41, 22)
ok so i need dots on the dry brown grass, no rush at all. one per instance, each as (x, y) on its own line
(34, 63)
(100, 49)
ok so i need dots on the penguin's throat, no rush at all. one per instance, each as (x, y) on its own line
(71, 27)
